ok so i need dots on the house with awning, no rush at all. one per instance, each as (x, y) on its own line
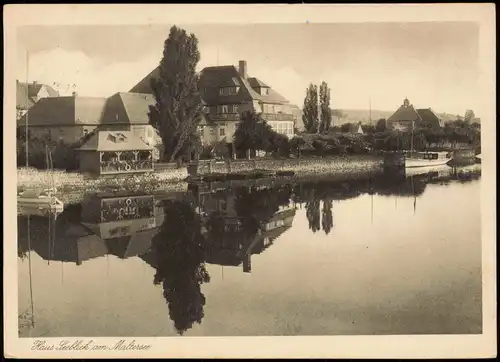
(115, 152)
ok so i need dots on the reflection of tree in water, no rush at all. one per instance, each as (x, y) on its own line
(313, 214)
(180, 268)
(327, 216)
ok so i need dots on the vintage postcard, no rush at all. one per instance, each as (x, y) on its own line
(254, 181)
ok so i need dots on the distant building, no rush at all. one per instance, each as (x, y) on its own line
(356, 128)
(406, 117)
(27, 94)
(227, 93)
(66, 119)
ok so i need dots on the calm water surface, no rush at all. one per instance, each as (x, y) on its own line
(378, 255)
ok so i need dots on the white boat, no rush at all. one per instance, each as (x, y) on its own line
(439, 170)
(426, 159)
(478, 158)
(39, 203)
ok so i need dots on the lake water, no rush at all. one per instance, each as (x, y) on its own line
(383, 254)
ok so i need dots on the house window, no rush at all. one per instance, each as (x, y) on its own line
(222, 132)
(222, 109)
(235, 108)
(212, 131)
(85, 131)
(221, 91)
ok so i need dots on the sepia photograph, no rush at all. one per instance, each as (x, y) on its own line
(305, 178)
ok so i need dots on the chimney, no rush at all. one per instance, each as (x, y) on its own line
(74, 94)
(35, 82)
(243, 69)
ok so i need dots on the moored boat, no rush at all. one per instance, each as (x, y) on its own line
(39, 202)
(426, 159)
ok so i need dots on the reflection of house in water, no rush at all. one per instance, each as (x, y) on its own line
(104, 224)
(235, 243)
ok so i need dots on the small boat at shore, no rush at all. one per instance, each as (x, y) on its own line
(39, 202)
(426, 159)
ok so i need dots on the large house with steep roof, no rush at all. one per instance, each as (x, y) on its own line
(70, 119)
(66, 119)
(406, 117)
(27, 94)
(227, 93)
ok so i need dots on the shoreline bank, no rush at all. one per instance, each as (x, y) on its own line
(175, 179)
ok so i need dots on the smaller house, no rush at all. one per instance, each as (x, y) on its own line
(356, 128)
(27, 94)
(115, 152)
(407, 117)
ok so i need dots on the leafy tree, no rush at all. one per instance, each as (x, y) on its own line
(346, 127)
(310, 109)
(295, 145)
(369, 128)
(469, 116)
(177, 110)
(252, 133)
(178, 249)
(381, 125)
(324, 104)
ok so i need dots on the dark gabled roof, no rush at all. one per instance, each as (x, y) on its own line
(257, 83)
(65, 111)
(427, 115)
(213, 78)
(133, 245)
(144, 86)
(127, 108)
(404, 113)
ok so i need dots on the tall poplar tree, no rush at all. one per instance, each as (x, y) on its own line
(324, 106)
(310, 109)
(177, 110)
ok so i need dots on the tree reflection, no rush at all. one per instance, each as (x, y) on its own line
(327, 216)
(313, 214)
(180, 264)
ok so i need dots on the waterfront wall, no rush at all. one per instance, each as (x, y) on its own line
(300, 166)
(31, 178)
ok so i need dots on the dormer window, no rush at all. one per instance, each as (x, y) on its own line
(264, 91)
(117, 137)
(228, 91)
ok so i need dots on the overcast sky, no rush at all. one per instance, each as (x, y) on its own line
(433, 64)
